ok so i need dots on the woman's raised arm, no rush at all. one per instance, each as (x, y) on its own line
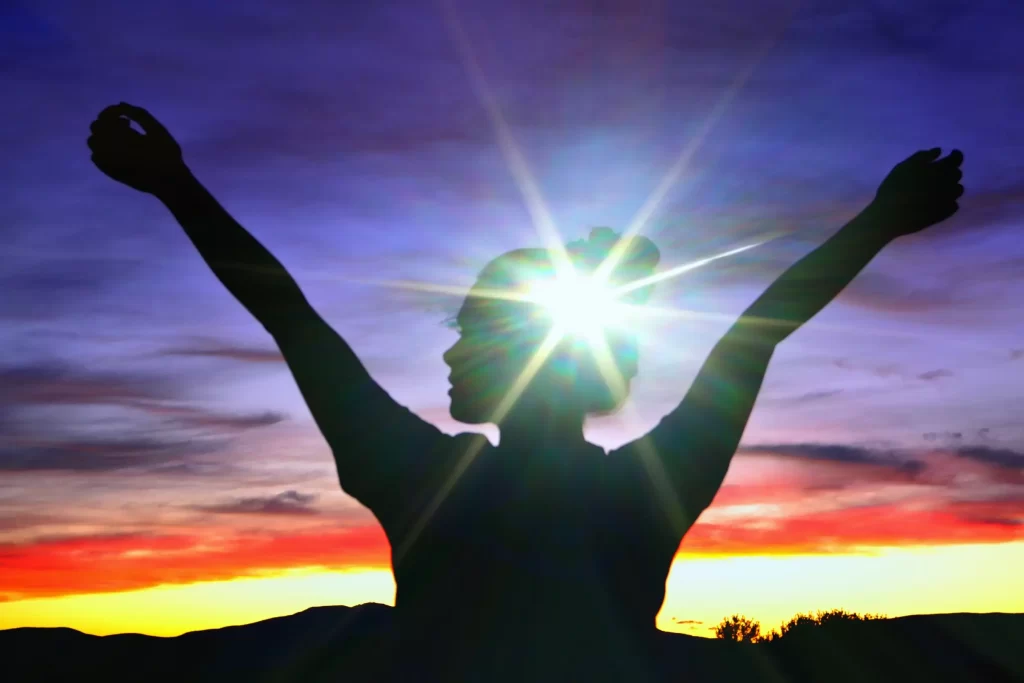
(695, 443)
(375, 440)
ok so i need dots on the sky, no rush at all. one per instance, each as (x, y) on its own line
(159, 472)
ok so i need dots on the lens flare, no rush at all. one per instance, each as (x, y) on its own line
(578, 305)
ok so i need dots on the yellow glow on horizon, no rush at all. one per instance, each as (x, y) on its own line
(173, 610)
(896, 582)
(891, 581)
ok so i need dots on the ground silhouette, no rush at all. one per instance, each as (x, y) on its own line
(544, 557)
(313, 646)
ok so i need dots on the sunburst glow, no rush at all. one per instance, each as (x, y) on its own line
(578, 305)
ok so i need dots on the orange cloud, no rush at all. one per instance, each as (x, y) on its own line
(849, 528)
(102, 564)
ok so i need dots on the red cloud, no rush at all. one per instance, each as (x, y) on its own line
(105, 564)
(817, 497)
(847, 529)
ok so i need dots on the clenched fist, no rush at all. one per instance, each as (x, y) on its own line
(919, 192)
(147, 162)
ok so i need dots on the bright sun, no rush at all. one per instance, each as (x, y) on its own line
(578, 305)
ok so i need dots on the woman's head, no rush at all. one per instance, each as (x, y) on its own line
(500, 336)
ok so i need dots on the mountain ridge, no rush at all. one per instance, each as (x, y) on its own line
(318, 643)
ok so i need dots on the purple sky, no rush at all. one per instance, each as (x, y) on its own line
(348, 137)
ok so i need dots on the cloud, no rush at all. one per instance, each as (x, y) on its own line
(981, 209)
(881, 292)
(196, 417)
(881, 371)
(47, 286)
(844, 529)
(286, 503)
(1016, 354)
(893, 370)
(1000, 457)
(111, 563)
(770, 484)
(856, 455)
(140, 454)
(694, 622)
(50, 422)
(27, 520)
(817, 396)
(215, 349)
(61, 383)
(808, 397)
(933, 375)
(951, 436)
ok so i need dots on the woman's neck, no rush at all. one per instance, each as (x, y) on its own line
(525, 430)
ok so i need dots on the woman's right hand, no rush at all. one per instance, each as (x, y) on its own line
(147, 162)
(919, 192)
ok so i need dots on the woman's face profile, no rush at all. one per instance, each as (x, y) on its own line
(495, 344)
(499, 336)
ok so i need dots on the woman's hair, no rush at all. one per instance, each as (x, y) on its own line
(513, 325)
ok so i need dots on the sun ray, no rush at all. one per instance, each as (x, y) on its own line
(538, 359)
(453, 290)
(672, 175)
(653, 312)
(606, 365)
(514, 158)
(633, 312)
(670, 178)
(685, 268)
(652, 462)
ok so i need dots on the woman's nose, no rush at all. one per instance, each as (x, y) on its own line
(449, 355)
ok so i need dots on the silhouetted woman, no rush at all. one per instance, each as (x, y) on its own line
(543, 556)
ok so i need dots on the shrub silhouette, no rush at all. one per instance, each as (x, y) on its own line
(739, 628)
(803, 622)
(746, 630)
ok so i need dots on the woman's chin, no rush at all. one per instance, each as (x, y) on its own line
(466, 412)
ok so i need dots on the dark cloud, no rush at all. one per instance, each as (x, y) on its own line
(58, 383)
(960, 38)
(980, 209)
(48, 426)
(814, 396)
(234, 422)
(1000, 457)
(28, 520)
(930, 476)
(854, 455)
(997, 521)
(1002, 510)
(933, 375)
(1016, 354)
(140, 454)
(195, 417)
(881, 371)
(890, 370)
(879, 291)
(289, 502)
(49, 288)
(62, 383)
(214, 349)
(677, 620)
(801, 399)
(952, 436)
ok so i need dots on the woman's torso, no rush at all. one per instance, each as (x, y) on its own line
(554, 553)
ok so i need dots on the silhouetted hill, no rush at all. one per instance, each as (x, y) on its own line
(317, 644)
